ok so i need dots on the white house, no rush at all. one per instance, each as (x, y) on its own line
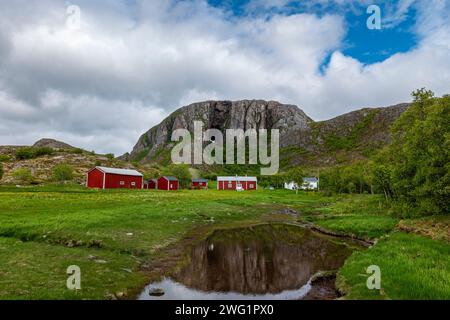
(291, 185)
(310, 183)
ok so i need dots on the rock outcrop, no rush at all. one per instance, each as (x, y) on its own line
(302, 140)
(52, 143)
(222, 115)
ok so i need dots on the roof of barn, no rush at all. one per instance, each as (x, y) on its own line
(124, 172)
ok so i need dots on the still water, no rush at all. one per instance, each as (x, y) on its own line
(273, 261)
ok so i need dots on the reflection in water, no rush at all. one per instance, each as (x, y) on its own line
(264, 262)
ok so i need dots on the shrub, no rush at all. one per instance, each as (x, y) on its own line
(31, 153)
(23, 175)
(43, 151)
(25, 153)
(98, 163)
(4, 157)
(77, 151)
(62, 172)
(110, 156)
(1, 171)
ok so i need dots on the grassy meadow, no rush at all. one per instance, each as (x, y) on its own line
(112, 234)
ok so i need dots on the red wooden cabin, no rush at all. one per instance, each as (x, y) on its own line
(113, 178)
(199, 184)
(168, 183)
(151, 184)
(232, 183)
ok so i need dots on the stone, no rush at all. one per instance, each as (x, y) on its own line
(156, 292)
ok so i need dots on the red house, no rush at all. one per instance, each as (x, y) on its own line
(234, 183)
(168, 183)
(199, 184)
(112, 178)
(150, 184)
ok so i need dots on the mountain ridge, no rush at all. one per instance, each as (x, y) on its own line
(320, 143)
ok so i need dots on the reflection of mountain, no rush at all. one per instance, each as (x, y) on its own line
(264, 259)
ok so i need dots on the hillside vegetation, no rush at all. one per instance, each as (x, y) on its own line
(414, 170)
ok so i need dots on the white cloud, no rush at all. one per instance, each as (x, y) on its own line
(129, 66)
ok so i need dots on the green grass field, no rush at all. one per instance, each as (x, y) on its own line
(110, 234)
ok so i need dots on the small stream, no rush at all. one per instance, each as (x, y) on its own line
(274, 262)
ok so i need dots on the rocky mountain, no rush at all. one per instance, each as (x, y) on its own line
(221, 115)
(52, 143)
(303, 141)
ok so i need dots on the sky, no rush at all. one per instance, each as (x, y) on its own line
(100, 74)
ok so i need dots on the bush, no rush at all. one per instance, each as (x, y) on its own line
(98, 163)
(1, 171)
(62, 172)
(77, 151)
(25, 153)
(4, 158)
(31, 153)
(43, 151)
(110, 156)
(23, 175)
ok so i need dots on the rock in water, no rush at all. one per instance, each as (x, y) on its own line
(156, 292)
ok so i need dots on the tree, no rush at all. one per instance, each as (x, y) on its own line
(1, 171)
(420, 154)
(62, 172)
(296, 175)
(180, 171)
(23, 175)
(152, 173)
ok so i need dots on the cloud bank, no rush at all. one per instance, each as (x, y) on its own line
(131, 63)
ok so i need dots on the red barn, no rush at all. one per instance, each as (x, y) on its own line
(232, 183)
(112, 178)
(150, 184)
(168, 183)
(199, 184)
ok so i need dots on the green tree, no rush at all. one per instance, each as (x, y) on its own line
(152, 173)
(180, 171)
(420, 154)
(23, 175)
(1, 171)
(62, 172)
(294, 174)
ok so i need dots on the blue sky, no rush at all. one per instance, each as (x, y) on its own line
(368, 46)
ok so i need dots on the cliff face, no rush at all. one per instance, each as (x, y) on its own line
(222, 115)
(302, 140)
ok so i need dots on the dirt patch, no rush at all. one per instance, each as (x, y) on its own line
(436, 228)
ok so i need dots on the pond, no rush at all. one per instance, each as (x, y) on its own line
(273, 261)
